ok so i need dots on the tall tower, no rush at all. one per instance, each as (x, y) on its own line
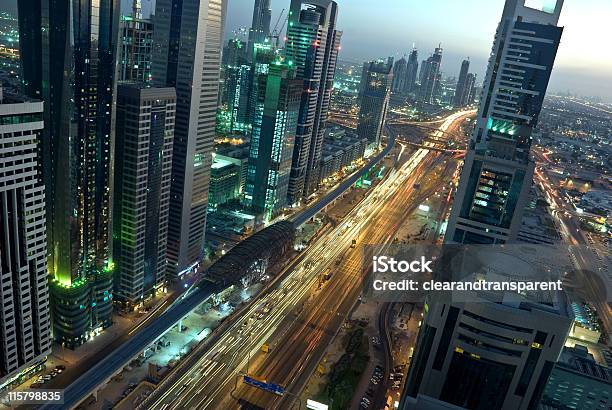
(142, 190)
(375, 92)
(136, 46)
(260, 26)
(399, 76)
(74, 67)
(187, 46)
(274, 125)
(462, 92)
(412, 69)
(24, 313)
(312, 45)
(498, 171)
(430, 76)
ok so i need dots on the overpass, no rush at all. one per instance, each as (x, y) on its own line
(267, 247)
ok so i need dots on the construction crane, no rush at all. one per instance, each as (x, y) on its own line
(277, 31)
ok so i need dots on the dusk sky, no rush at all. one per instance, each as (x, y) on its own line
(378, 28)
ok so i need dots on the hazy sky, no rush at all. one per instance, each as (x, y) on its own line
(378, 28)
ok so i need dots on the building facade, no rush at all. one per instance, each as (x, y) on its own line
(462, 91)
(412, 68)
(400, 77)
(144, 137)
(136, 47)
(224, 181)
(489, 355)
(430, 77)
(25, 317)
(498, 171)
(187, 56)
(260, 25)
(312, 45)
(72, 67)
(274, 126)
(375, 92)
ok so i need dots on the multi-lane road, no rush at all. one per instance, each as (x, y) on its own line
(302, 315)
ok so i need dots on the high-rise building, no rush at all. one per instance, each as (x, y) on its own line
(260, 25)
(136, 47)
(274, 125)
(238, 82)
(485, 352)
(312, 45)
(143, 163)
(24, 312)
(470, 86)
(400, 69)
(412, 69)
(374, 99)
(486, 355)
(75, 76)
(497, 173)
(462, 92)
(187, 56)
(430, 77)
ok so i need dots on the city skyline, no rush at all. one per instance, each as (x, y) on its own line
(581, 68)
(198, 217)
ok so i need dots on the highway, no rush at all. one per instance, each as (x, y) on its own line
(300, 318)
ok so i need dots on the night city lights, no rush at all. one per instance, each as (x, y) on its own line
(305, 204)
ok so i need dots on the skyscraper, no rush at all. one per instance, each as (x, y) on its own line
(238, 82)
(486, 355)
(136, 46)
(187, 55)
(312, 45)
(412, 69)
(145, 132)
(470, 86)
(430, 77)
(462, 92)
(24, 312)
(71, 55)
(497, 173)
(260, 26)
(274, 126)
(400, 70)
(374, 99)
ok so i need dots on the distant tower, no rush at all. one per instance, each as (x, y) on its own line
(497, 173)
(312, 45)
(260, 25)
(375, 91)
(399, 76)
(430, 76)
(462, 92)
(412, 70)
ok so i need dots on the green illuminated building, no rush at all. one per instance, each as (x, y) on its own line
(276, 98)
(69, 57)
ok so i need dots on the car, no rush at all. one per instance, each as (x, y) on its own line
(60, 367)
(366, 400)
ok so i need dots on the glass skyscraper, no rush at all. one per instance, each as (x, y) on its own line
(312, 44)
(497, 173)
(187, 56)
(276, 106)
(69, 57)
(375, 89)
